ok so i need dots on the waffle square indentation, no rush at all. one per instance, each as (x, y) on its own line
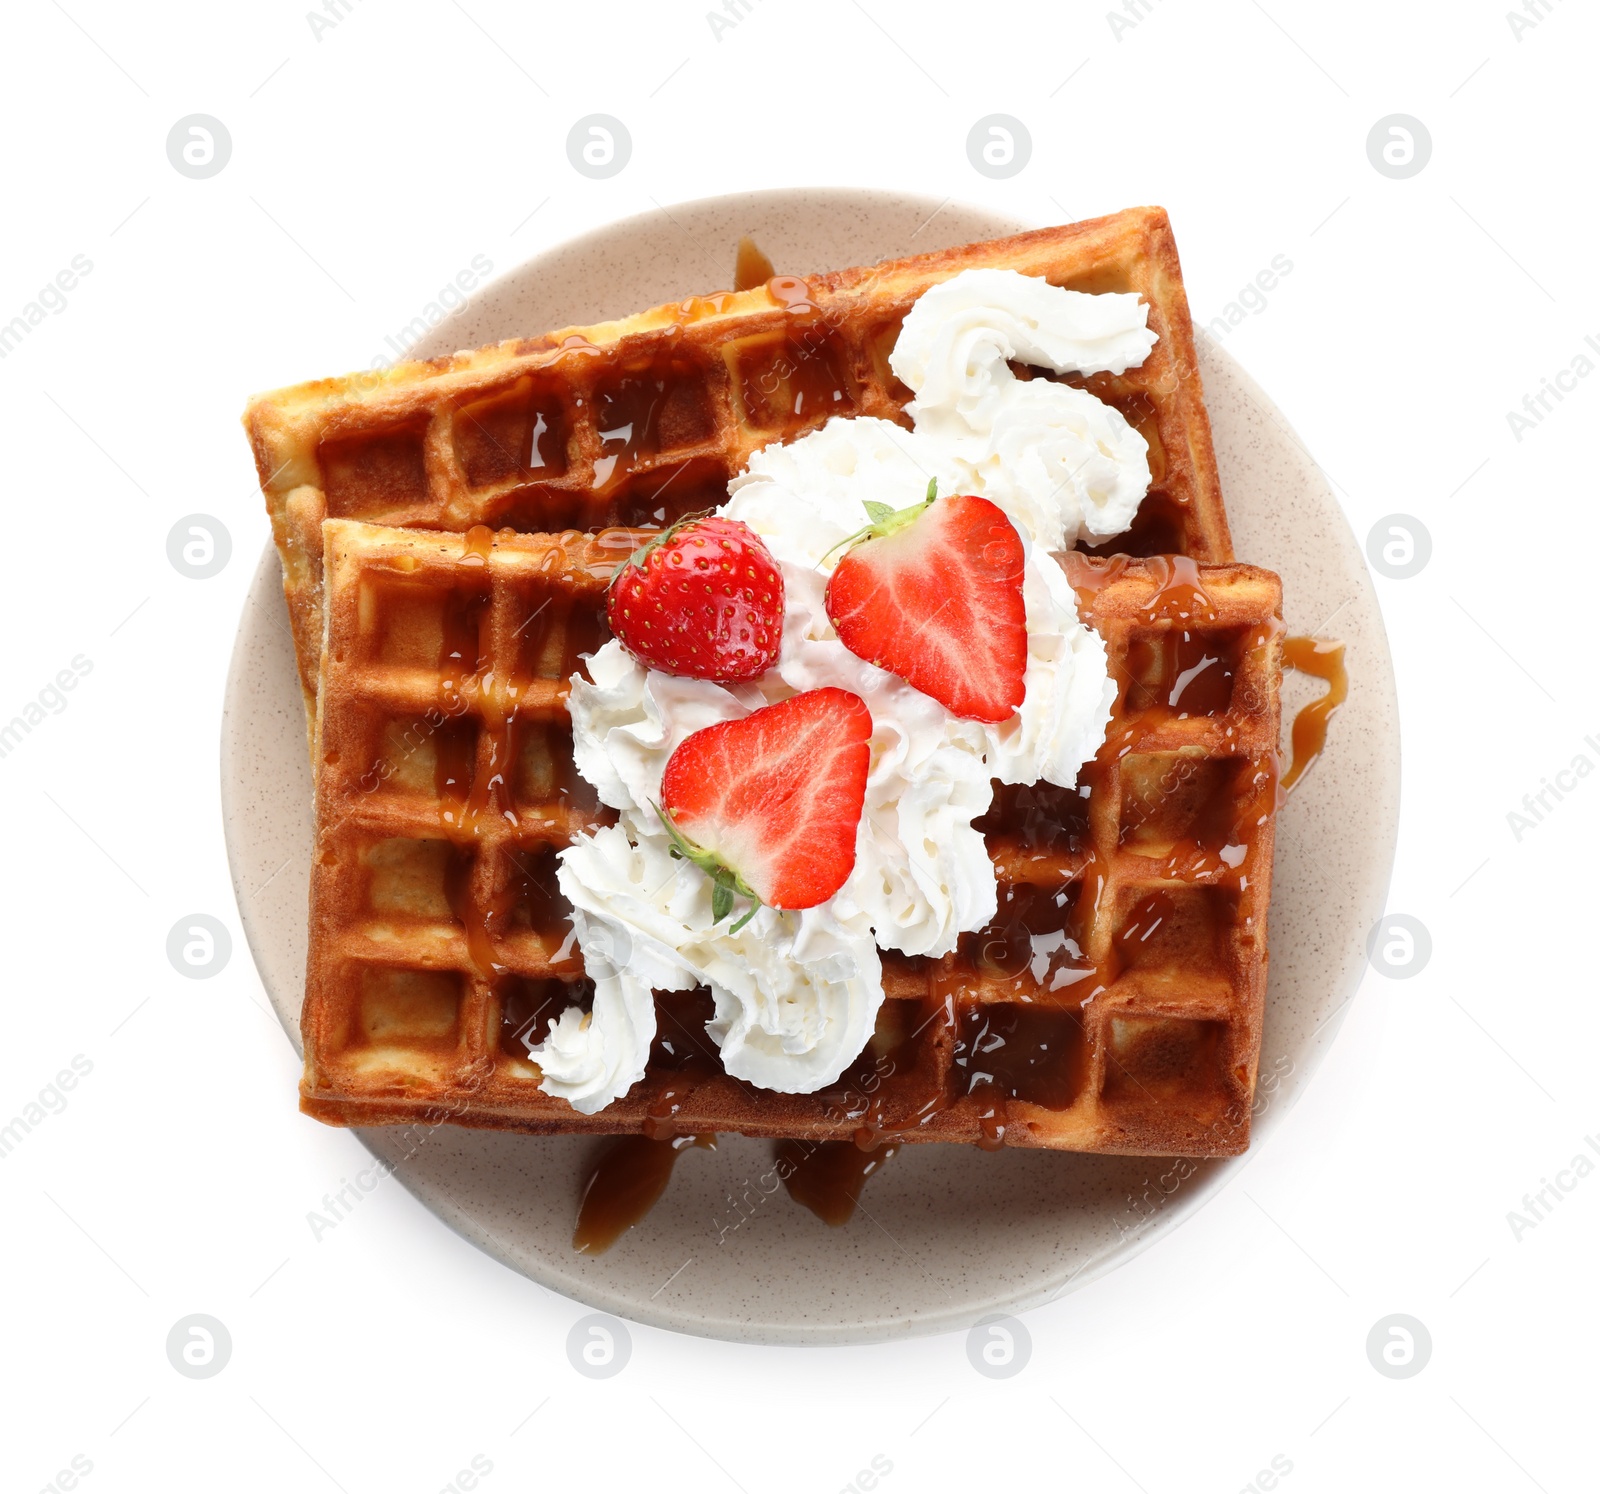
(647, 413)
(516, 432)
(375, 473)
(1013, 1052)
(409, 1008)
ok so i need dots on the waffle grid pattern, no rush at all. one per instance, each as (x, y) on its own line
(639, 421)
(1113, 1005)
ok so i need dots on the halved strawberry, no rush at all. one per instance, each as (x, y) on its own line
(933, 593)
(768, 805)
(703, 599)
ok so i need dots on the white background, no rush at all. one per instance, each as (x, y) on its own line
(370, 165)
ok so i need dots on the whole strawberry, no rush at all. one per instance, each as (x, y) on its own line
(702, 599)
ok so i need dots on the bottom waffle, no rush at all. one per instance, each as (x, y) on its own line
(1113, 1005)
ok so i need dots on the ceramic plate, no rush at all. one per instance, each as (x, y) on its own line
(945, 1234)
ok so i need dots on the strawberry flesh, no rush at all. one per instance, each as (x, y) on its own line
(774, 798)
(935, 596)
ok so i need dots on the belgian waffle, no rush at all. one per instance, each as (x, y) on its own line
(639, 421)
(1113, 1005)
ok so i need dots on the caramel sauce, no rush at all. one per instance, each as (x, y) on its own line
(645, 413)
(477, 544)
(1180, 595)
(792, 293)
(474, 919)
(1218, 852)
(660, 1122)
(991, 1119)
(698, 307)
(750, 266)
(612, 547)
(1026, 943)
(801, 379)
(1324, 661)
(1042, 818)
(828, 1176)
(630, 1176)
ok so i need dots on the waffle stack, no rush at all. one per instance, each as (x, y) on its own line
(447, 531)
(640, 421)
(441, 949)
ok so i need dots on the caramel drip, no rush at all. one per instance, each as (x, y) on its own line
(476, 545)
(630, 1176)
(992, 1118)
(792, 293)
(474, 921)
(1179, 596)
(1324, 661)
(750, 266)
(827, 1177)
(660, 1123)
(696, 308)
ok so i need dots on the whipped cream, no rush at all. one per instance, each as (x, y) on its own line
(797, 993)
(1064, 464)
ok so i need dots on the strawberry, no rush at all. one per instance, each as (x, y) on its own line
(768, 805)
(933, 593)
(704, 598)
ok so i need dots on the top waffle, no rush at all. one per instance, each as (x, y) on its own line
(1113, 1004)
(639, 421)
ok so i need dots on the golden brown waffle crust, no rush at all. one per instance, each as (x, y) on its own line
(418, 444)
(408, 1021)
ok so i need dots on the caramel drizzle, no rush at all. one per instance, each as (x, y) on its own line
(827, 1177)
(1324, 661)
(630, 1176)
(792, 293)
(750, 266)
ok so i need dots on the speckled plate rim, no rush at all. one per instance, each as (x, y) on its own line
(1301, 487)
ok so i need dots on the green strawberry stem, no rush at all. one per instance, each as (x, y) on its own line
(725, 881)
(886, 520)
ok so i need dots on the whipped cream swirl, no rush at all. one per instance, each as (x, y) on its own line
(1064, 464)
